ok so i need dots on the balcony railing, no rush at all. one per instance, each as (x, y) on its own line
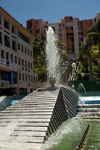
(7, 64)
(69, 36)
(29, 28)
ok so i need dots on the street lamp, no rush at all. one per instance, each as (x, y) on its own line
(82, 74)
(74, 65)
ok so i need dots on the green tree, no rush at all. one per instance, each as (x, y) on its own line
(63, 54)
(93, 33)
(39, 56)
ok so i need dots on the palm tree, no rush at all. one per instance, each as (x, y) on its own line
(63, 54)
(93, 33)
(39, 56)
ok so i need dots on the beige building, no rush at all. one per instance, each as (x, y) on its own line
(57, 28)
(16, 57)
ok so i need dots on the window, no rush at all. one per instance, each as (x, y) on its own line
(15, 59)
(7, 43)
(80, 33)
(0, 37)
(95, 20)
(29, 78)
(2, 54)
(80, 39)
(31, 53)
(19, 76)
(18, 46)
(22, 48)
(70, 19)
(36, 22)
(78, 23)
(11, 58)
(80, 28)
(25, 63)
(60, 35)
(28, 51)
(6, 24)
(59, 30)
(22, 62)
(12, 29)
(72, 40)
(20, 35)
(13, 45)
(25, 50)
(79, 44)
(72, 45)
(26, 77)
(59, 25)
(34, 79)
(7, 56)
(63, 25)
(23, 76)
(19, 61)
(31, 65)
(73, 50)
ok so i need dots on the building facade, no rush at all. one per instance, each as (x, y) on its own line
(16, 57)
(73, 33)
(36, 26)
(71, 30)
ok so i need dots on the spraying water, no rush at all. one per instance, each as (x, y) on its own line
(67, 136)
(80, 88)
(52, 55)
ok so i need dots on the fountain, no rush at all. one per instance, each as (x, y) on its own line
(80, 88)
(44, 112)
(68, 136)
(75, 128)
(52, 57)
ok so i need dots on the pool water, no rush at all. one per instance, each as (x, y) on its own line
(93, 137)
(14, 101)
(89, 100)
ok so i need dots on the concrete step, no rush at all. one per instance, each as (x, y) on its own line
(90, 106)
(19, 146)
(89, 109)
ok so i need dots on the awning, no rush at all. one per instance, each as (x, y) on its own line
(3, 87)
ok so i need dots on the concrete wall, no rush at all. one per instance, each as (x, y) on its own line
(5, 101)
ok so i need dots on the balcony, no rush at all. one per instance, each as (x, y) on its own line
(4, 83)
(8, 65)
(69, 36)
(29, 28)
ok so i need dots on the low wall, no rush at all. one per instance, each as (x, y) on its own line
(89, 85)
(5, 101)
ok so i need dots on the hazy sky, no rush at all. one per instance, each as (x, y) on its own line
(50, 10)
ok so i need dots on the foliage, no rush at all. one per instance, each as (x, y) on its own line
(39, 53)
(93, 34)
(63, 54)
(95, 53)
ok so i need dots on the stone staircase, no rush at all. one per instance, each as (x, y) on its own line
(90, 111)
(28, 123)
